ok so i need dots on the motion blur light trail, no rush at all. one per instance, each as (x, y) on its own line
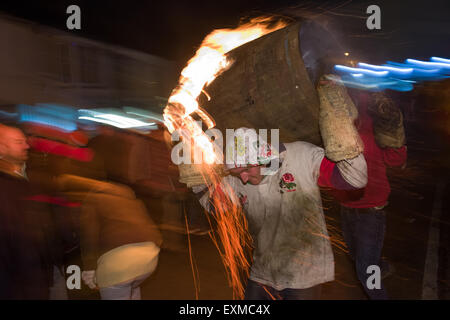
(62, 117)
(393, 75)
(128, 118)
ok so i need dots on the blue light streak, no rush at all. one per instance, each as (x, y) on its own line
(393, 75)
(362, 70)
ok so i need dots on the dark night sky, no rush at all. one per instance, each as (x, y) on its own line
(173, 29)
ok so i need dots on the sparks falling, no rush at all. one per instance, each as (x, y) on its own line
(207, 64)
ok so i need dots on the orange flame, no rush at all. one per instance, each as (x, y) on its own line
(209, 62)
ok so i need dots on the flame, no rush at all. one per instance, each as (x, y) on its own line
(208, 63)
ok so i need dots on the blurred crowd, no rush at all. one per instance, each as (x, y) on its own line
(92, 197)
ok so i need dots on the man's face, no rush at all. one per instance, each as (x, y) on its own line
(13, 145)
(250, 175)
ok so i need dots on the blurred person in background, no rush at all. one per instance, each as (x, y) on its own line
(55, 151)
(363, 214)
(26, 265)
(120, 243)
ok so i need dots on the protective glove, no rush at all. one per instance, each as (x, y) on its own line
(387, 122)
(336, 116)
(89, 278)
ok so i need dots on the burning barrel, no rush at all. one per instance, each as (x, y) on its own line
(267, 87)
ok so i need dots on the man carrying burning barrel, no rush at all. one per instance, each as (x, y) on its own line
(292, 254)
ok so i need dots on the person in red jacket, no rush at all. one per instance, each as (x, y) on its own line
(362, 215)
